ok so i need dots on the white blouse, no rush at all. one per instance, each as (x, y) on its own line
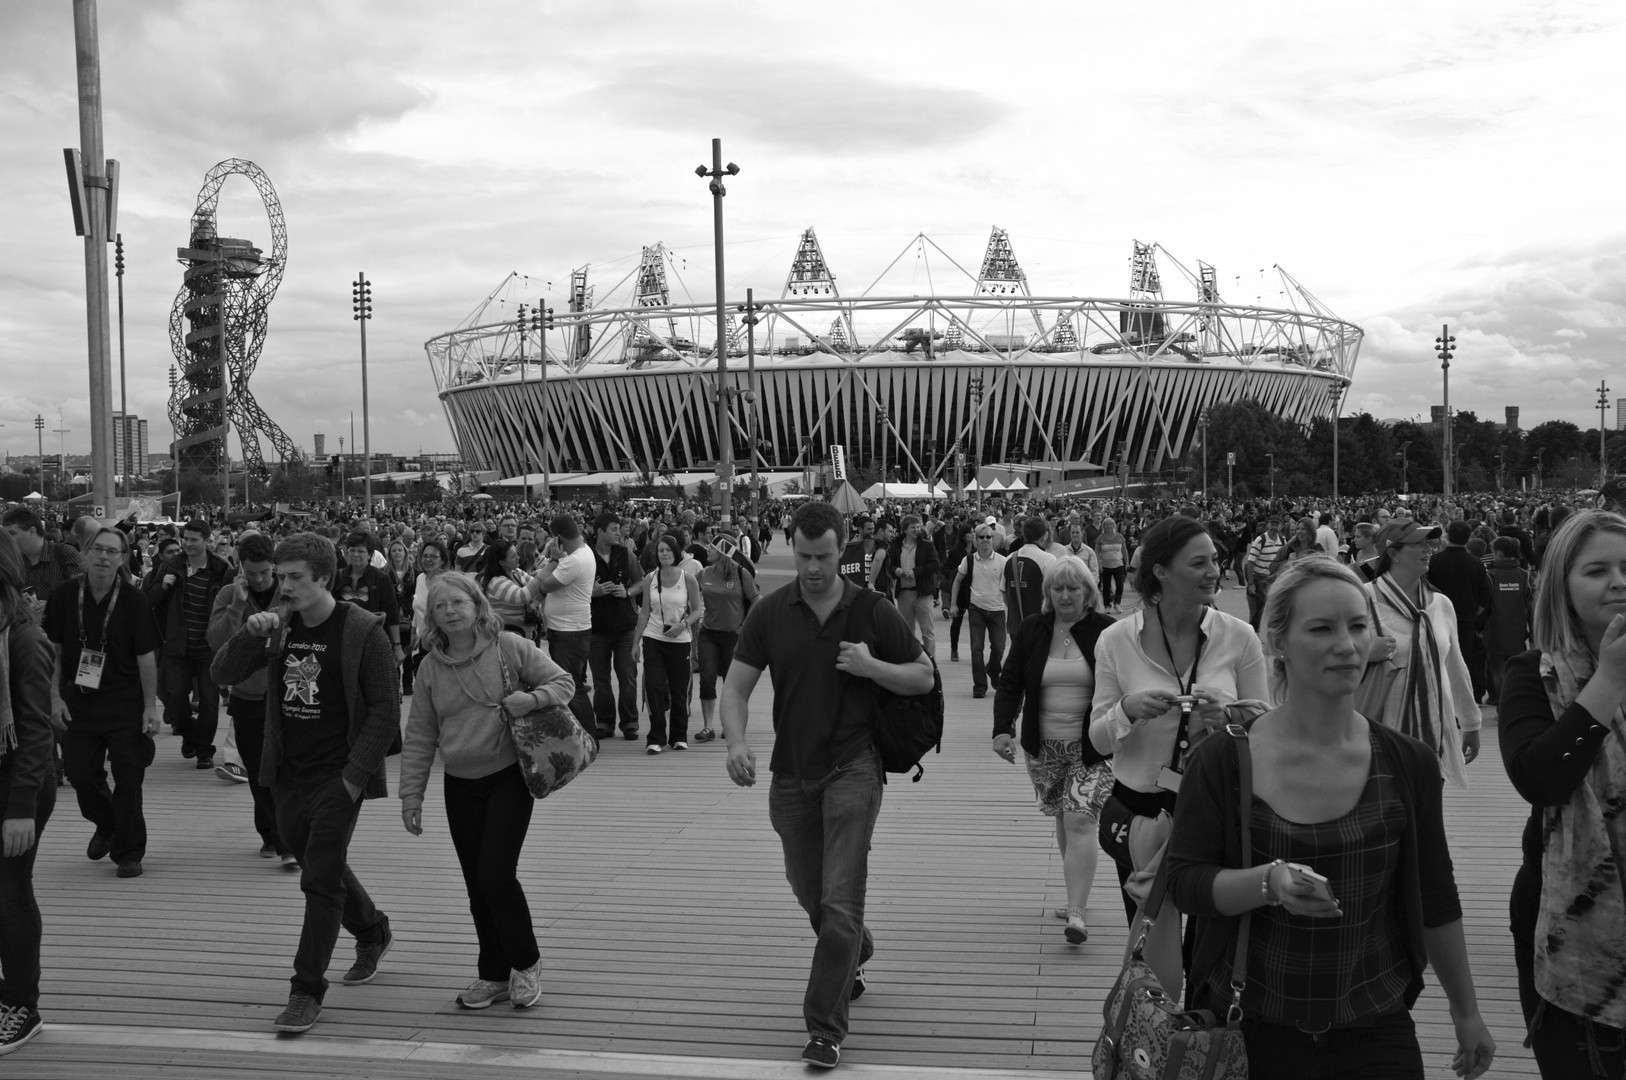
(1232, 665)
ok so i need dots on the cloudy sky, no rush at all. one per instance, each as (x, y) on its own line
(1409, 163)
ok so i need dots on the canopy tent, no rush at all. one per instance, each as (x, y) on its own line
(33, 496)
(901, 491)
(847, 500)
(1015, 485)
(993, 485)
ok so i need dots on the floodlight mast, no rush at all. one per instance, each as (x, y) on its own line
(725, 441)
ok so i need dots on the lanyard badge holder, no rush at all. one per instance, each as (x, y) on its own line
(92, 662)
(1170, 775)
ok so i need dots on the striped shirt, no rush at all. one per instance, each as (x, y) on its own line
(1262, 555)
(195, 609)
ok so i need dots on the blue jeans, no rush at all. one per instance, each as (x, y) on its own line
(991, 624)
(570, 649)
(825, 827)
(617, 646)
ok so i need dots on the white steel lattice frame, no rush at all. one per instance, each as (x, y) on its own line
(1112, 391)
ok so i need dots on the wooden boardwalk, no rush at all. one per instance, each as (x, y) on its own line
(671, 941)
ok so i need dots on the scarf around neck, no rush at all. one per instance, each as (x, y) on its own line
(1420, 702)
(8, 719)
(1581, 927)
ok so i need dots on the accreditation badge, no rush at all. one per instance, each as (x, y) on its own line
(91, 663)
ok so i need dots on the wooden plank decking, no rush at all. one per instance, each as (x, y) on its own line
(672, 944)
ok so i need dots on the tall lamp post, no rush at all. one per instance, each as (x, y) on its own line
(174, 445)
(121, 437)
(880, 414)
(1405, 468)
(750, 319)
(1444, 348)
(976, 395)
(1337, 397)
(361, 310)
(39, 432)
(1272, 458)
(541, 322)
(725, 439)
(1202, 423)
(1603, 429)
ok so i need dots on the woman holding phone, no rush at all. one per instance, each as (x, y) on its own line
(1560, 703)
(666, 627)
(1349, 879)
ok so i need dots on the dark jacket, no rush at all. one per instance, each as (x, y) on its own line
(1462, 578)
(167, 603)
(928, 563)
(1023, 669)
(372, 688)
(226, 618)
(1207, 838)
(31, 767)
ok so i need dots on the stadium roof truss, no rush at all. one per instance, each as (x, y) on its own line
(979, 382)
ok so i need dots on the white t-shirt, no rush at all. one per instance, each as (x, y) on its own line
(570, 607)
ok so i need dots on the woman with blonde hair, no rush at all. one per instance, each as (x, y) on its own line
(27, 795)
(474, 672)
(1347, 886)
(1560, 703)
(1050, 676)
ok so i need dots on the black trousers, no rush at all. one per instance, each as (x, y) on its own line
(180, 676)
(316, 821)
(666, 686)
(20, 924)
(488, 818)
(248, 716)
(89, 748)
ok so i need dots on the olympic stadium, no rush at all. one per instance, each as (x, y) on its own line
(978, 371)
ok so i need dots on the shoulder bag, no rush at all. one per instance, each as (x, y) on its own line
(554, 748)
(1147, 1036)
(1372, 696)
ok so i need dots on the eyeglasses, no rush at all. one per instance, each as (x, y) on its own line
(985, 536)
(110, 552)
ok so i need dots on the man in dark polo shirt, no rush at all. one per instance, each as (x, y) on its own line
(616, 583)
(826, 790)
(107, 675)
(47, 564)
(369, 588)
(182, 594)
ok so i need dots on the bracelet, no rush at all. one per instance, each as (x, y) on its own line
(1264, 884)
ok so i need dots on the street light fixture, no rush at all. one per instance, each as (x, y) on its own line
(541, 322)
(1405, 468)
(725, 439)
(1603, 428)
(1337, 400)
(361, 308)
(121, 437)
(1444, 348)
(749, 319)
(976, 385)
(1272, 458)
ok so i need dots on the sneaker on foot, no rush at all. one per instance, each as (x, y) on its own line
(186, 750)
(207, 761)
(652, 749)
(859, 985)
(289, 861)
(130, 868)
(268, 851)
(301, 1014)
(821, 1053)
(367, 958)
(629, 734)
(1077, 932)
(954, 656)
(525, 987)
(101, 842)
(680, 745)
(482, 994)
(232, 772)
(978, 692)
(18, 1024)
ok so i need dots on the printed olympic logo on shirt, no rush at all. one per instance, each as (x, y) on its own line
(300, 678)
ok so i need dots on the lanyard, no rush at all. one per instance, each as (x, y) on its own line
(107, 618)
(1182, 737)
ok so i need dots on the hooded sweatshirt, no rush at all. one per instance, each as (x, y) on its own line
(455, 710)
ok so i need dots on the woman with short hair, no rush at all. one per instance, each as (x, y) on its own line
(1049, 677)
(1333, 969)
(475, 671)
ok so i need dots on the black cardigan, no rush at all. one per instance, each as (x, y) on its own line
(1546, 758)
(1207, 838)
(1023, 669)
(30, 767)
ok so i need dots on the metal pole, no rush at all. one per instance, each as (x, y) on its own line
(1337, 396)
(1603, 420)
(542, 362)
(521, 324)
(97, 208)
(121, 437)
(39, 431)
(362, 311)
(1272, 458)
(1444, 348)
(751, 366)
(1205, 454)
(725, 440)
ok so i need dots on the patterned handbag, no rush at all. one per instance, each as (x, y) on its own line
(554, 748)
(1146, 1036)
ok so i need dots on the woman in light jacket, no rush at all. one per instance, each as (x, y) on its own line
(472, 672)
(1164, 678)
(1432, 697)
(666, 622)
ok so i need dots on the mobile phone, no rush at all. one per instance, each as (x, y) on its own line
(1323, 891)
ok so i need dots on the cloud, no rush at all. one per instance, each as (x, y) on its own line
(808, 105)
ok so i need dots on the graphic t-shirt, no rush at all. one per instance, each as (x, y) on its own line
(315, 716)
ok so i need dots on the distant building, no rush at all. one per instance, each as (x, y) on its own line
(1513, 418)
(1620, 414)
(129, 444)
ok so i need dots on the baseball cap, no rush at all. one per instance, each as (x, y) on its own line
(1405, 532)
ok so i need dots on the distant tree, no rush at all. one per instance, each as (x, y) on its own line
(14, 486)
(1551, 443)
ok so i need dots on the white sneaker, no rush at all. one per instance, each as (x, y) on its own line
(680, 745)
(482, 994)
(652, 748)
(525, 987)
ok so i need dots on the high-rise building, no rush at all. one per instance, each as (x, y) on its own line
(1513, 417)
(1620, 414)
(129, 444)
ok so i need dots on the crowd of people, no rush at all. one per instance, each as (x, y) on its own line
(1377, 629)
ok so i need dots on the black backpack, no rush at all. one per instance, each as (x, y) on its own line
(1024, 588)
(906, 725)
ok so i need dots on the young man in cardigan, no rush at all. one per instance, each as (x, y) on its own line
(332, 708)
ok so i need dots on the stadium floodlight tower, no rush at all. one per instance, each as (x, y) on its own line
(217, 331)
(810, 276)
(1000, 275)
(650, 291)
